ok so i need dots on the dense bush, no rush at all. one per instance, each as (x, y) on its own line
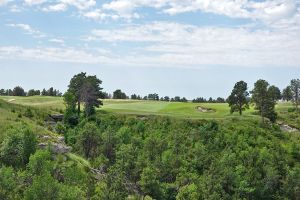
(17, 147)
(156, 158)
(167, 158)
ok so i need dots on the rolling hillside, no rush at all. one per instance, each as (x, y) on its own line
(175, 109)
(135, 107)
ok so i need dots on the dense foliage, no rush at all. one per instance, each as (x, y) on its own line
(151, 157)
(264, 97)
(84, 89)
(238, 99)
(155, 157)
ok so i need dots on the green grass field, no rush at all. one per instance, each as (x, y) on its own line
(12, 116)
(134, 107)
(174, 109)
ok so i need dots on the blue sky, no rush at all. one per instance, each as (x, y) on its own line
(172, 47)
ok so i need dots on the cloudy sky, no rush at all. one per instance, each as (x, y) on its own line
(172, 47)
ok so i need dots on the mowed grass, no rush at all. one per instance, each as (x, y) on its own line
(175, 109)
(12, 116)
(135, 107)
(44, 102)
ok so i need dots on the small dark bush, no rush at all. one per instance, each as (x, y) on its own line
(28, 113)
(291, 110)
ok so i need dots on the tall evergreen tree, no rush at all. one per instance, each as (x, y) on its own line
(118, 94)
(87, 90)
(75, 87)
(44, 92)
(295, 88)
(19, 91)
(238, 100)
(275, 91)
(264, 99)
(287, 94)
(90, 94)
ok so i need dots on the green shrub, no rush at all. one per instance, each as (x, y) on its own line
(291, 110)
(60, 128)
(17, 147)
(28, 113)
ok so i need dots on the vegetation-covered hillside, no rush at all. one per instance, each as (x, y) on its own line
(72, 148)
(131, 157)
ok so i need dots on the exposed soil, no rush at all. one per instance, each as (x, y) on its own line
(205, 110)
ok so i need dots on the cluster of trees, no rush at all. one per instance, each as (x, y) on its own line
(264, 96)
(51, 92)
(118, 94)
(31, 174)
(164, 158)
(210, 100)
(159, 158)
(83, 89)
(19, 91)
(126, 157)
(292, 92)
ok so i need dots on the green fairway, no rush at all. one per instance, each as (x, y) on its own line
(135, 107)
(46, 102)
(175, 109)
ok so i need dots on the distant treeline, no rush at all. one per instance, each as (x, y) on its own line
(118, 94)
(210, 100)
(19, 91)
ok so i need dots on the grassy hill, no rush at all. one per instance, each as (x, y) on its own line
(176, 157)
(135, 107)
(175, 109)
(15, 116)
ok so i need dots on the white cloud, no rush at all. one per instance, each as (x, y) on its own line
(61, 5)
(179, 44)
(67, 55)
(268, 10)
(55, 8)
(15, 8)
(174, 44)
(79, 4)
(3, 2)
(165, 44)
(96, 14)
(122, 6)
(28, 30)
(34, 2)
(59, 41)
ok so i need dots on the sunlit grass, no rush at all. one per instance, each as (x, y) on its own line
(136, 107)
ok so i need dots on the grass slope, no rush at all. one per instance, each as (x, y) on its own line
(174, 109)
(13, 115)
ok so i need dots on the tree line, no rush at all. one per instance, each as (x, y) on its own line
(264, 96)
(19, 91)
(210, 100)
(86, 89)
(118, 94)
